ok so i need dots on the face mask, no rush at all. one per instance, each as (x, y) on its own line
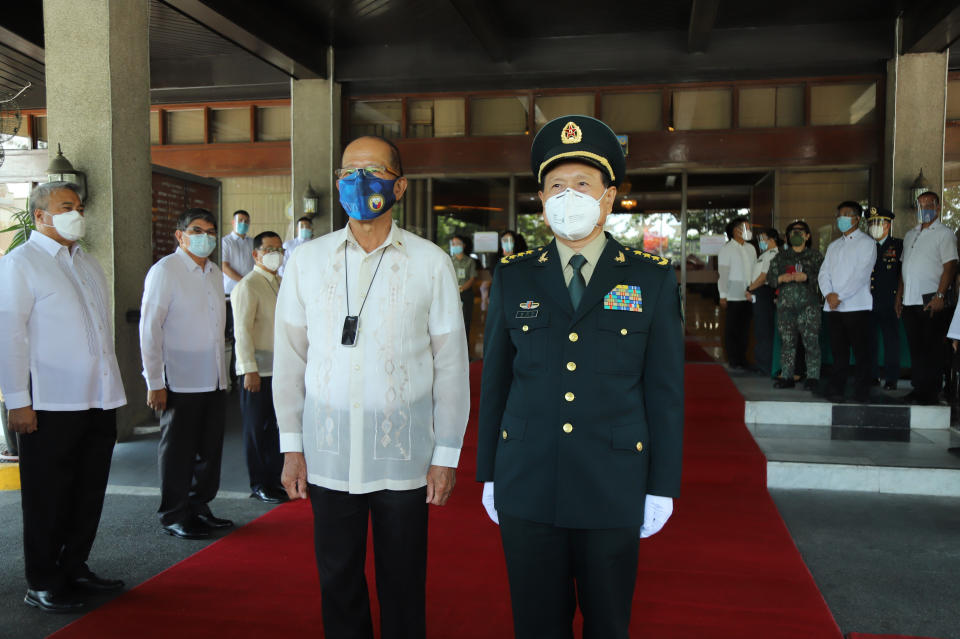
(456, 249)
(746, 234)
(202, 244)
(242, 228)
(796, 239)
(573, 215)
(925, 216)
(366, 198)
(507, 246)
(305, 234)
(70, 225)
(876, 231)
(272, 261)
(844, 223)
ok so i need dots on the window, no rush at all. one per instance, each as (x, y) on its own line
(440, 118)
(953, 100)
(40, 131)
(843, 104)
(499, 116)
(627, 112)
(273, 124)
(154, 127)
(381, 117)
(695, 109)
(229, 125)
(771, 107)
(554, 106)
(185, 126)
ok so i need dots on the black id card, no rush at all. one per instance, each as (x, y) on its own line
(350, 325)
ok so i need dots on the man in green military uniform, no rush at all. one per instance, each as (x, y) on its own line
(581, 408)
(793, 272)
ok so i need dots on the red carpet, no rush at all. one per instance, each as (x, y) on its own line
(724, 567)
(693, 352)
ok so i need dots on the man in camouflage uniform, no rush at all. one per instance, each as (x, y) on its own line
(793, 272)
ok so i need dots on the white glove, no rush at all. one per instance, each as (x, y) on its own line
(487, 501)
(656, 512)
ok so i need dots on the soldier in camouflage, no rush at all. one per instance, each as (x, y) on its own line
(794, 272)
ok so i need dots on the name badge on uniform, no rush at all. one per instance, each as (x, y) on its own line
(624, 297)
(529, 310)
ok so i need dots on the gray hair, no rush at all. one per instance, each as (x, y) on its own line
(40, 195)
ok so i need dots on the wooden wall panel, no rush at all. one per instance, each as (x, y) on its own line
(225, 160)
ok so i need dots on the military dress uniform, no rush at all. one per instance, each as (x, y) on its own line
(798, 309)
(883, 287)
(581, 416)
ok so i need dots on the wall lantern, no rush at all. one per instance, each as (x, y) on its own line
(311, 200)
(60, 170)
(918, 188)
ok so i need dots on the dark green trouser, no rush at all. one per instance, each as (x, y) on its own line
(805, 321)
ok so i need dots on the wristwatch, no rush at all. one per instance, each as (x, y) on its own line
(939, 295)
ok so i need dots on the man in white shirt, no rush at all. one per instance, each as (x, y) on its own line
(236, 249)
(181, 343)
(61, 384)
(845, 282)
(304, 234)
(929, 264)
(372, 395)
(735, 266)
(254, 303)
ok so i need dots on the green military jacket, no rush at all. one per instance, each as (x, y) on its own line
(796, 294)
(581, 411)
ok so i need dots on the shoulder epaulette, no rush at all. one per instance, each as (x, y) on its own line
(523, 256)
(646, 257)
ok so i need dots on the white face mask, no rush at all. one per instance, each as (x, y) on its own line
(70, 225)
(746, 233)
(876, 231)
(272, 261)
(573, 215)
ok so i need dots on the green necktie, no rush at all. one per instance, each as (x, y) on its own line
(577, 284)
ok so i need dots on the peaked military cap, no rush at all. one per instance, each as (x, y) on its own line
(580, 138)
(876, 211)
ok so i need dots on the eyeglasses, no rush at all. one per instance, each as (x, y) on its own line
(196, 230)
(369, 171)
(270, 249)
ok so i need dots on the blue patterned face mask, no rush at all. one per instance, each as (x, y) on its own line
(365, 197)
(925, 216)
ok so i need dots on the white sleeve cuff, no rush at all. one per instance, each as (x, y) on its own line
(155, 383)
(17, 400)
(443, 456)
(291, 443)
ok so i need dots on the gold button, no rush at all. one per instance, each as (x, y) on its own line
(639, 446)
(504, 434)
(571, 366)
(568, 427)
(623, 331)
(525, 328)
(569, 396)
(573, 337)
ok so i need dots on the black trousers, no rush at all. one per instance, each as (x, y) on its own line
(399, 522)
(551, 569)
(466, 298)
(850, 330)
(887, 324)
(191, 445)
(261, 438)
(926, 337)
(736, 333)
(763, 313)
(64, 466)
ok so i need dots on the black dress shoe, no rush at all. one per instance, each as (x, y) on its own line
(890, 386)
(91, 582)
(783, 383)
(52, 601)
(188, 529)
(214, 522)
(812, 384)
(267, 495)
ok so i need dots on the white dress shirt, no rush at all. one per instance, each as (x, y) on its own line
(254, 302)
(925, 251)
(238, 251)
(376, 415)
(182, 320)
(56, 351)
(735, 264)
(288, 248)
(846, 271)
(762, 264)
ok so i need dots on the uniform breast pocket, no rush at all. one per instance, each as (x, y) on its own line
(529, 337)
(621, 341)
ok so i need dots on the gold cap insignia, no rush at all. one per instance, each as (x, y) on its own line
(571, 133)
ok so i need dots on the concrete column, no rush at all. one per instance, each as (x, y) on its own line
(315, 147)
(915, 130)
(98, 103)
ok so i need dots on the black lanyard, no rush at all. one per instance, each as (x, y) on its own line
(351, 323)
